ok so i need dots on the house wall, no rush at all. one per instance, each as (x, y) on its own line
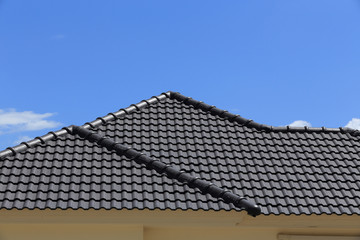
(151, 225)
(55, 231)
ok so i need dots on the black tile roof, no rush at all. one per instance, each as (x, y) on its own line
(285, 170)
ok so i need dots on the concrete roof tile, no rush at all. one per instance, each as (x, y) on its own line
(285, 170)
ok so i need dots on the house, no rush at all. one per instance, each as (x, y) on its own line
(172, 167)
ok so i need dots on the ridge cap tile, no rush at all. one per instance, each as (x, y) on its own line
(250, 123)
(285, 170)
(12, 151)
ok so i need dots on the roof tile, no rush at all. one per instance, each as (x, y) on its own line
(285, 170)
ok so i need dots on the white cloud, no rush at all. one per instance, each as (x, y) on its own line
(354, 123)
(300, 123)
(22, 139)
(13, 121)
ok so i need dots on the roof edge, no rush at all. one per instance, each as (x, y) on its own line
(12, 151)
(252, 124)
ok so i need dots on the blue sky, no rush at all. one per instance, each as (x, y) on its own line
(68, 62)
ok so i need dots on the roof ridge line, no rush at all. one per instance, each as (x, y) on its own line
(252, 124)
(122, 111)
(193, 182)
(12, 151)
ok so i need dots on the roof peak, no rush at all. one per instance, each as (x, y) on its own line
(11, 151)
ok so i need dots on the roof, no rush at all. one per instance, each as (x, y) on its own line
(284, 170)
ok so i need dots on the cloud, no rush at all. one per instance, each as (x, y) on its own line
(354, 123)
(22, 139)
(58, 36)
(13, 121)
(300, 123)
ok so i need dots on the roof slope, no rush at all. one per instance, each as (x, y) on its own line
(284, 170)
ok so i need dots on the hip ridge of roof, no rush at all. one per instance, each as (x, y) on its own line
(12, 151)
(252, 124)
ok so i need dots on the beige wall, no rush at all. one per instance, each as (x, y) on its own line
(149, 225)
(69, 231)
